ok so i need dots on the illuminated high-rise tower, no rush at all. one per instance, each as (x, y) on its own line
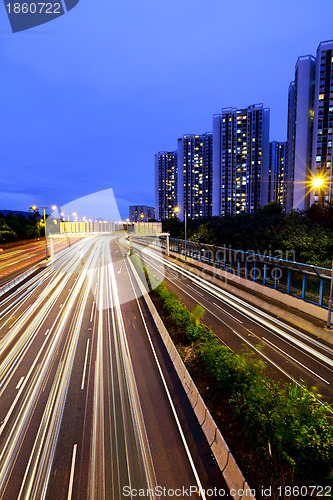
(240, 159)
(277, 173)
(195, 161)
(323, 123)
(166, 187)
(299, 134)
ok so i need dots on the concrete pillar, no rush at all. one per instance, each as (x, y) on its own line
(168, 244)
(52, 248)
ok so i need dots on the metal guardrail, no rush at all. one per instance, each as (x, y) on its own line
(304, 281)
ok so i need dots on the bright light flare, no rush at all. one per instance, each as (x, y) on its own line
(318, 182)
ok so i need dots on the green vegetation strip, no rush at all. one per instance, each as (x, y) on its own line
(283, 419)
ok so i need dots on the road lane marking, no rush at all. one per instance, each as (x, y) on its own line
(92, 311)
(10, 411)
(71, 480)
(47, 331)
(20, 382)
(194, 290)
(85, 365)
(229, 314)
(296, 361)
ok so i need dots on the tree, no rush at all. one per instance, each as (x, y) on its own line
(7, 235)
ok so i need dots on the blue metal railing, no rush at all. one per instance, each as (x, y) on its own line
(304, 281)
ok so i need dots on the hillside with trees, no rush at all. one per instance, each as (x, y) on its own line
(18, 227)
(309, 235)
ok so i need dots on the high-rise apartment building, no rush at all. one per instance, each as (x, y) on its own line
(141, 213)
(277, 173)
(299, 134)
(323, 123)
(166, 184)
(290, 149)
(240, 160)
(195, 161)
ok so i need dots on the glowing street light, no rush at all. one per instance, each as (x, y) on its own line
(142, 219)
(318, 182)
(34, 207)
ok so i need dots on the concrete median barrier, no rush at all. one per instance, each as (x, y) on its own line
(8, 286)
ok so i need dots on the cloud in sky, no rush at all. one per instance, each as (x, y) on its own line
(90, 97)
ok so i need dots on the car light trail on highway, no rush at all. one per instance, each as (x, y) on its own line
(298, 356)
(75, 418)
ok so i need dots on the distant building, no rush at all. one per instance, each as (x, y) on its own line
(195, 163)
(299, 134)
(141, 213)
(166, 184)
(240, 160)
(151, 213)
(277, 173)
(323, 122)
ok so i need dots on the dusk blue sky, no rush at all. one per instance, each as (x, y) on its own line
(87, 99)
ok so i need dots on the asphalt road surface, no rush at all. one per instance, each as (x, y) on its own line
(89, 407)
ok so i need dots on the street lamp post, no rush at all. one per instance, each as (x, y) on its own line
(177, 209)
(330, 300)
(185, 221)
(142, 217)
(34, 207)
(318, 183)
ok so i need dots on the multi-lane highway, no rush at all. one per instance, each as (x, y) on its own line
(289, 351)
(89, 407)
